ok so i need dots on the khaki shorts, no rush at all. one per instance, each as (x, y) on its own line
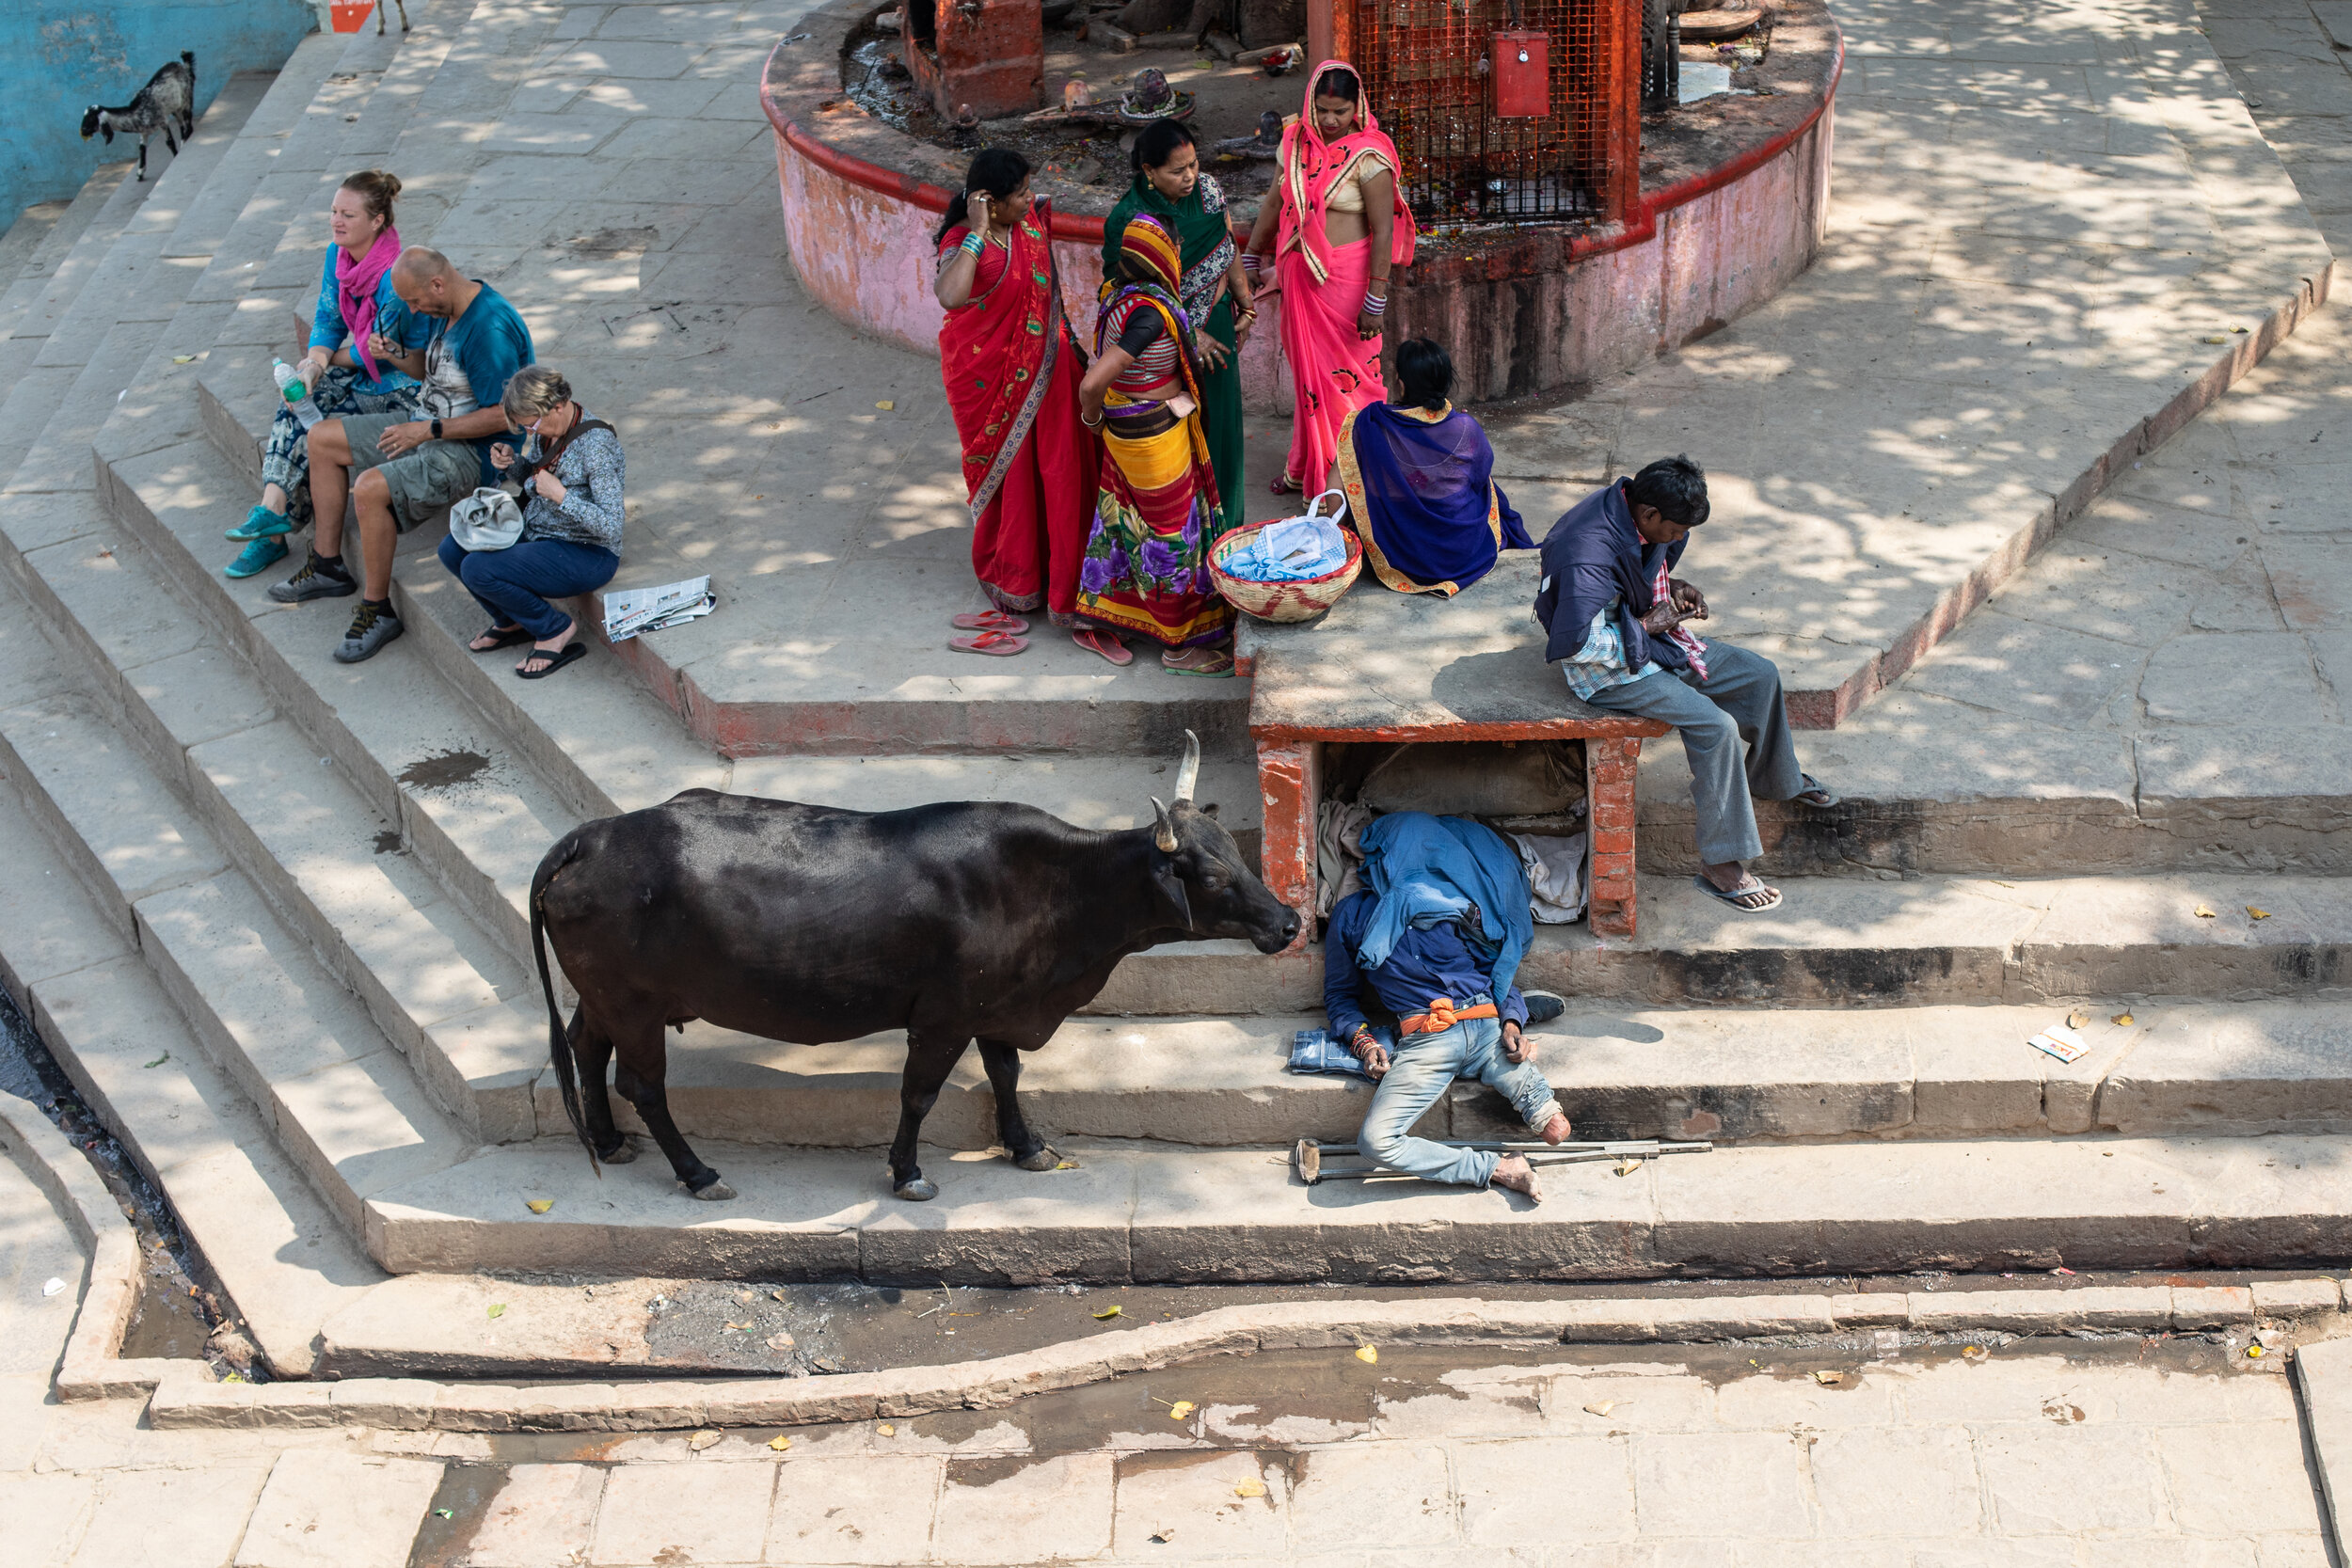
(435, 475)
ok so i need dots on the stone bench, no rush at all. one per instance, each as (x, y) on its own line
(1418, 668)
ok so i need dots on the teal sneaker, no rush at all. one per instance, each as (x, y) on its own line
(259, 555)
(260, 523)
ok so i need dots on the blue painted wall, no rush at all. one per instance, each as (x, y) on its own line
(57, 57)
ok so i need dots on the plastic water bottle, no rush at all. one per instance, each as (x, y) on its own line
(298, 396)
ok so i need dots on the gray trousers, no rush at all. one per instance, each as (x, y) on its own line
(1739, 700)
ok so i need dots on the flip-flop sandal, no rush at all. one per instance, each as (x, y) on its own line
(1744, 890)
(1217, 671)
(1104, 643)
(502, 637)
(1816, 794)
(995, 644)
(1285, 486)
(990, 619)
(556, 660)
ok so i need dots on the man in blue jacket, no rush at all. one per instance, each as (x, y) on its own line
(1613, 621)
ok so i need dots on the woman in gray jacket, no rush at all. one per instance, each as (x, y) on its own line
(571, 471)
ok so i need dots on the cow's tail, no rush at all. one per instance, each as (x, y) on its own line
(565, 850)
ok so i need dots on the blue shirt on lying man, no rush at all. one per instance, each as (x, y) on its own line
(1427, 962)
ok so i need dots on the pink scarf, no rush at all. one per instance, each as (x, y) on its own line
(356, 283)
(1310, 166)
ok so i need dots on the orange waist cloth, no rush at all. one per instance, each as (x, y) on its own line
(1443, 1015)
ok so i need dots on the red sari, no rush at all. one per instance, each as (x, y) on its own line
(1012, 372)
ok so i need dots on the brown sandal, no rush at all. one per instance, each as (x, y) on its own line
(1215, 663)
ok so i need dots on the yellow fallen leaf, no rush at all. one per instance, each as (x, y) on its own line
(1180, 1409)
(2122, 1021)
(498, 1309)
(1973, 1353)
(1600, 1407)
(2080, 1017)
(886, 1430)
(1367, 1353)
(2201, 913)
(1829, 1380)
(2258, 914)
(1627, 1167)
(740, 1328)
(1250, 1489)
(2216, 337)
(1109, 1312)
(1067, 1164)
(779, 1443)
(539, 1205)
(702, 1440)
(183, 359)
(886, 405)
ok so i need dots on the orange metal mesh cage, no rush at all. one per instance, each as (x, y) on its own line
(1429, 66)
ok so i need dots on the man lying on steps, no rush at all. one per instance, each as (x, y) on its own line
(1614, 623)
(1421, 938)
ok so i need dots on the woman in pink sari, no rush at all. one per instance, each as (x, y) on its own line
(1334, 226)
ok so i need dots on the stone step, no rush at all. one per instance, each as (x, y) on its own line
(36, 246)
(2179, 1067)
(1129, 1215)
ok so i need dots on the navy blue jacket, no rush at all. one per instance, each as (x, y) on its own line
(1594, 554)
(1427, 962)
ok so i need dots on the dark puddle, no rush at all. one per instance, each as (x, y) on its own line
(179, 1302)
(445, 769)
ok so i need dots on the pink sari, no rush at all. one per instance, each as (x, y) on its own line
(1323, 285)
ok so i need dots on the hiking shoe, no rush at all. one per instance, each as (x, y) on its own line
(374, 625)
(257, 555)
(318, 579)
(262, 523)
(1543, 1007)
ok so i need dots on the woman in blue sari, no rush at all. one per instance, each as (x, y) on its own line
(1420, 483)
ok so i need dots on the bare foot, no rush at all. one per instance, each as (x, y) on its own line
(1556, 1131)
(1514, 1174)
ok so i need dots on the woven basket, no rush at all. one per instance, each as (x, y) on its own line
(1301, 600)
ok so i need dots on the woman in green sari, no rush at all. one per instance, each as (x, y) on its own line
(1171, 185)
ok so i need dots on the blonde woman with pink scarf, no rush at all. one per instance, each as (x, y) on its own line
(366, 356)
(1334, 226)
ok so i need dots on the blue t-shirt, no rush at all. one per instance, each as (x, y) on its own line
(328, 329)
(469, 360)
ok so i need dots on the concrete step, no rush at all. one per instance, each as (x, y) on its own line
(1129, 1215)
(2179, 1067)
(41, 240)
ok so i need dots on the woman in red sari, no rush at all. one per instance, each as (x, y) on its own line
(1335, 226)
(1012, 372)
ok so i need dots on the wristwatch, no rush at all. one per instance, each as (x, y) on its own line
(436, 430)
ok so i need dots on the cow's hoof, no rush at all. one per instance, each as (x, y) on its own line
(1044, 1159)
(921, 1190)
(718, 1192)
(621, 1155)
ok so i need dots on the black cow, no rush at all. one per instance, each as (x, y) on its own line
(808, 924)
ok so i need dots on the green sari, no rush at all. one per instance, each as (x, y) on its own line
(1200, 225)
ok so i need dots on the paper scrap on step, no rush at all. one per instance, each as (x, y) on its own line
(2059, 1042)
(634, 612)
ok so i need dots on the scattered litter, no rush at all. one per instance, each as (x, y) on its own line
(445, 1514)
(1067, 1164)
(702, 1440)
(2257, 914)
(1627, 1167)
(2253, 1352)
(183, 359)
(886, 1430)
(539, 1205)
(232, 1377)
(886, 405)
(781, 1341)
(2216, 337)
(740, 1328)
(1164, 1534)
(779, 1442)
(1600, 1407)
(2068, 1273)
(2122, 1021)
(2080, 1017)
(1368, 1354)
(1109, 1312)
(51, 1287)
(1973, 1353)
(778, 1293)
(1829, 1380)
(2201, 913)
(634, 612)
(498, 1309)
(1250, 1489)
(2059, 1042)
(1180, 1409)
(158, 1061)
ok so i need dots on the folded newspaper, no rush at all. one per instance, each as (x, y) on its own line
(635, 610)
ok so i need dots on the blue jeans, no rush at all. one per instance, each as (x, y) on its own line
(515, 584)
(1421, 1069)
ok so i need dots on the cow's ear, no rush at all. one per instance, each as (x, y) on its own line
(1171, 891)
(1209, 810)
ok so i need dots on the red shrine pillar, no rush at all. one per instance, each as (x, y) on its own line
(987, 53)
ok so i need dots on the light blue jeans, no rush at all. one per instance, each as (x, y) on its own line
(1421, 1070)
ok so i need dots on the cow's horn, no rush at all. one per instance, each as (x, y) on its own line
(1165, 834)
(1188, 773)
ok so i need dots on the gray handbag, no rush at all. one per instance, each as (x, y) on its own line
(487, 520)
